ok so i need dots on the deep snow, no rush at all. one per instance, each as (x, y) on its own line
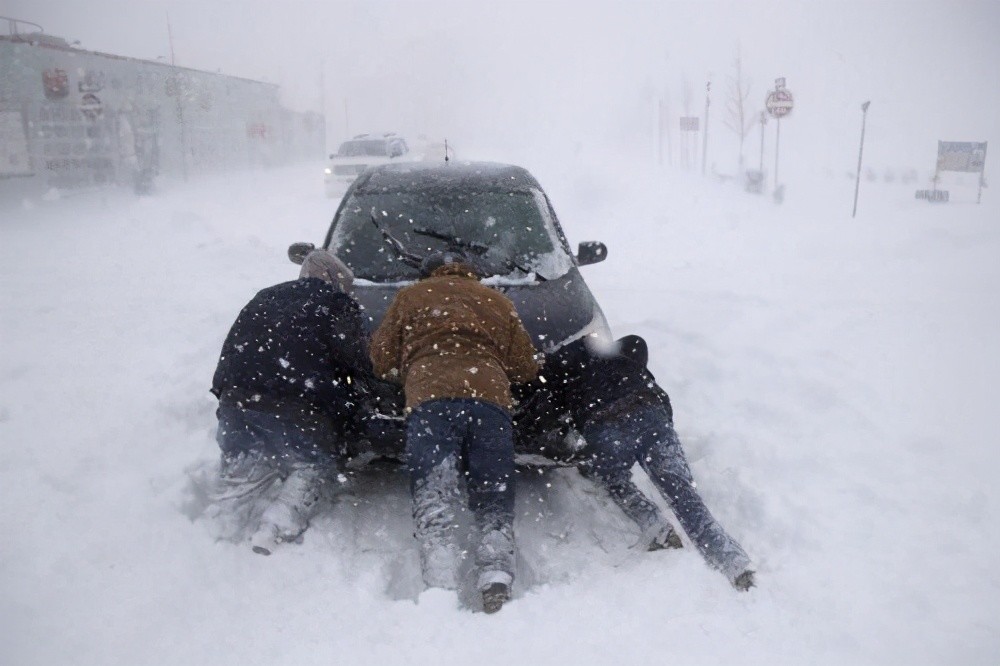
(833, 381)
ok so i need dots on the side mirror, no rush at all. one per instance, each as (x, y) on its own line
(591, 252)
(297, 252)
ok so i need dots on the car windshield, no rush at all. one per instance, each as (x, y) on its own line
(371, 147)
(507, 234)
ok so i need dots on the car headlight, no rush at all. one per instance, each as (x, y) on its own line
(328, 171)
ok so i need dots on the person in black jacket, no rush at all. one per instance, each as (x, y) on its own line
(291, 380)
(624, 418)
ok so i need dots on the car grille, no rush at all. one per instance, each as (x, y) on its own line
(348, 169)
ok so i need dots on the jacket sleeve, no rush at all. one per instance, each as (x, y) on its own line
(386, 349)
(351, 338)
(520, 364)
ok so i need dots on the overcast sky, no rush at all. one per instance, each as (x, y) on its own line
(584, 77)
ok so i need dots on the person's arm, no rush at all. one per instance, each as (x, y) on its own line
(521, 363)
(387, 344)
(351, 339)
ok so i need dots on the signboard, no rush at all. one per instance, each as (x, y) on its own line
(779, 102)
(90, 106)
(689, 123)
(966, 156)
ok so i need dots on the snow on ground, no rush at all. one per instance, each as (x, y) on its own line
(833, 380)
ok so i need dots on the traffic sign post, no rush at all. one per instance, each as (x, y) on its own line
(779, 103)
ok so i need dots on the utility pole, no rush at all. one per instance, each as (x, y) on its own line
(704, 144)
(170, 38)
(180, 89)
(763, 122)
(861, 150)
(659, 132)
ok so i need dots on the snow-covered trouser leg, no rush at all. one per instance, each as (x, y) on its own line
(662, 456)
(481, 435)
(283, 430)
(435, 503)
(432, 456)
(612, 451)
(489, 458)
(291, 437)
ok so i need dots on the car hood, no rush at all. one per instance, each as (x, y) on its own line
(554, 312)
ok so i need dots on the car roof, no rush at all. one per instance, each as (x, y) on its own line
(410, 176)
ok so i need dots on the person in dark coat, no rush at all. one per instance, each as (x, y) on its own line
(455, 345)
(625, 418)
(293, 373)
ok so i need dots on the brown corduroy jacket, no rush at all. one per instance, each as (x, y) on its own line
(449, 336)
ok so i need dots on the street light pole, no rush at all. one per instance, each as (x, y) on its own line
(861, 150)
(704, 144)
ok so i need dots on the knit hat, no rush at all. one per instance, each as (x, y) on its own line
(323, 265)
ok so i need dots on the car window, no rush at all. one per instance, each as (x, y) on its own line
(362, 148)
(511, 232)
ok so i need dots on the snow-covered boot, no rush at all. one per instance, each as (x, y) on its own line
(287, 517)
(657, 533)
(660, 537)
(435, 504)
(722, 552)
(745, 581)
(495, 557)
(244, 477)
(495, 596)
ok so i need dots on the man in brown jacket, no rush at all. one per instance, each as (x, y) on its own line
(455, 345)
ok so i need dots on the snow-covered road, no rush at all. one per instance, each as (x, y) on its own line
(834, 381)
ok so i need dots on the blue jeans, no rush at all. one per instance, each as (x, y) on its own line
(279, 430)
(479, 435)
(646, 435)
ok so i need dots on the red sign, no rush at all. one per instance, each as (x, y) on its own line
(779, 103)
(56, 82)
(257, 131)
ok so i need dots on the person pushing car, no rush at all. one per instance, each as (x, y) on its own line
(455, 345)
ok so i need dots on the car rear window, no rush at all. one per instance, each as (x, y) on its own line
(511, 233)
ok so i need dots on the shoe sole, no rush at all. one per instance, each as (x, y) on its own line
(494, 597)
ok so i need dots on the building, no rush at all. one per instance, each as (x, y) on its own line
(76, 118)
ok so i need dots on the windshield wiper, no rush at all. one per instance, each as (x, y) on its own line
(405, 256)
(475, 247)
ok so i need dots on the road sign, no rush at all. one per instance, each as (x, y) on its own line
(779, 103)
(689, 123)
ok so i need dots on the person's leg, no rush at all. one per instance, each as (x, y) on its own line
(612, 450)
(489, 454)
(303, 443)
(432, 456)
(663, 459)
(245, 470)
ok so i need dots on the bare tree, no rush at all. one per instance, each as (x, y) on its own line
(737, 117)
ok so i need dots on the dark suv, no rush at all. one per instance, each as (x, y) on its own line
(496, 214)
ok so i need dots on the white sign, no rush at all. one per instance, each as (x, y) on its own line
(689, 123)
(961, 156)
